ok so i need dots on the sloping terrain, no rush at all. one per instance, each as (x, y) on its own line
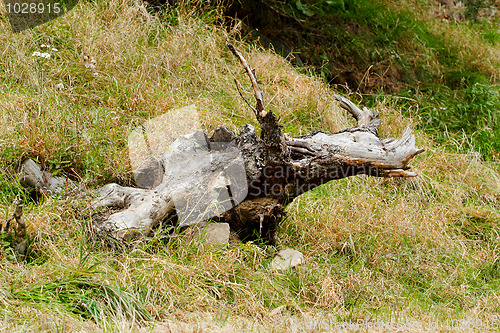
(439, 58)
(423, 250)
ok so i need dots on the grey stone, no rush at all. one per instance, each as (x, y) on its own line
(213, 233)
(286, 259)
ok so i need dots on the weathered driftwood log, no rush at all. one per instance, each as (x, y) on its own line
(244, 179)
(249, 179)
(31, 175)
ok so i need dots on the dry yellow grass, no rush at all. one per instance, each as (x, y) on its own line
(415, 249)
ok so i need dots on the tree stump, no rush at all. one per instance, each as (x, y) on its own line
(244, 179)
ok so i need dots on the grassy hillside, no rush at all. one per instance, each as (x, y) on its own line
(423, 249)
(439, 59)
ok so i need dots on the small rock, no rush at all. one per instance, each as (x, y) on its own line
(390, 256)
(275, 315)
(213, 233)
(286, 259)
(60, 86)
(276, 312)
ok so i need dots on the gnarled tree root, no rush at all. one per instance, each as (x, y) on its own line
(247, 180)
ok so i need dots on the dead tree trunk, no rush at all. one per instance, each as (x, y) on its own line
(249, 179)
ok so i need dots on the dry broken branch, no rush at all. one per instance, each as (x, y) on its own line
(366, 118)
(18, 242)
(259, 97)
(17, 216)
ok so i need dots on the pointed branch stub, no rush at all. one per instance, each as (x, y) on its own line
(366, 118)
(259, 97)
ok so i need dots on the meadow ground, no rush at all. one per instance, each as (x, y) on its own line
(421, 250)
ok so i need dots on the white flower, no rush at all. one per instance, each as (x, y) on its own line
(42, 55)
(90, 63)
(54, 49)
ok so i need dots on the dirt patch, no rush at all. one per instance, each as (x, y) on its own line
(318, 43)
